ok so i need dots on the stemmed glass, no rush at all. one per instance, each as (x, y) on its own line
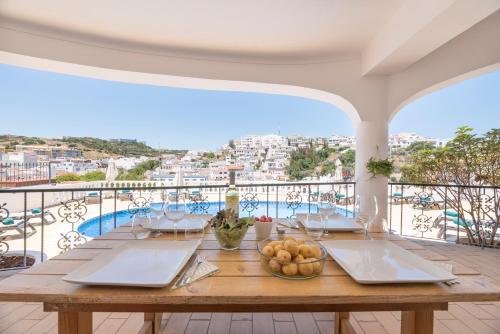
(158, 214)
(361, 218)
(138, 222)
(315, 226)
(326, 213)
(175, 216)
(194, 229)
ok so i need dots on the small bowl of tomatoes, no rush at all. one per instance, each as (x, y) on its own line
(263, 227)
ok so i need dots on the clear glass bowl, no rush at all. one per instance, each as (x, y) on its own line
(294, 268)
(230, 239)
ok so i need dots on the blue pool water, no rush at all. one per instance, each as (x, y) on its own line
(91, 227)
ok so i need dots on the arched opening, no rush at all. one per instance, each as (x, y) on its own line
(429, 144)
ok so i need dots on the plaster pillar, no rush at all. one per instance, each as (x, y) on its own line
(371, 141)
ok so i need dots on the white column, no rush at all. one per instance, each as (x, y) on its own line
(371, 141)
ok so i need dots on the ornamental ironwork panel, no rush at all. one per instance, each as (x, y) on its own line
(422, 223)
(423, 200)
(485, 203)
(72, 211)
(249, 202)
(4, 247)
(4, 214)
(293, 200)
(139, 205)
(198, 204)
(70, 240)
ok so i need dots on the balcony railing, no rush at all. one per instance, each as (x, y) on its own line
(37, 224)
(465, 214)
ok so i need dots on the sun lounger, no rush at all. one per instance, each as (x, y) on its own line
(398, 198)
(455, 222)
(92, 198)
(16, 226)
(33, 214)
(124, 195)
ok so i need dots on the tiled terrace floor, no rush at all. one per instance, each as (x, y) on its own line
(464, 318)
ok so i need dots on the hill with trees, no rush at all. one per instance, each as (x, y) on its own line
(92, 148)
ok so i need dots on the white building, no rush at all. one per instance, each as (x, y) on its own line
(75, 166)
(24, 157)
(129, 162)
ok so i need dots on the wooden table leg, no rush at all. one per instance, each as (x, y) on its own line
(74, 323)
(417, 322)
(342, 325)
(155, 320)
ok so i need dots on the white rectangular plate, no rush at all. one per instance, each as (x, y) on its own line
(184, 224)
(337, 223)
(381, 261)
(143, 263)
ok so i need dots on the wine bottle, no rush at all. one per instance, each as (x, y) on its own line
(232, 196)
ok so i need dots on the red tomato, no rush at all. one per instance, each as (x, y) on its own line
(269, 219)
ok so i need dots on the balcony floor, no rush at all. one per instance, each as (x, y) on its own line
(483, 317)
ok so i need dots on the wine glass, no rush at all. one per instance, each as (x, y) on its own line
(139, 221)
(361, 218)
(194, 228)
(158, 214)
(175, 216)
(315, 226)
(326, 214)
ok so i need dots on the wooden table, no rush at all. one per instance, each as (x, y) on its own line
(242, 285)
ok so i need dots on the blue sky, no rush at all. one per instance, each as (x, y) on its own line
(37, 103)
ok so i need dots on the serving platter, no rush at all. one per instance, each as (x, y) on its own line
(381, 261)
(336, 223)
(140, 263)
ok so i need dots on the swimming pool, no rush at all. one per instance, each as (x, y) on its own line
(90, 227)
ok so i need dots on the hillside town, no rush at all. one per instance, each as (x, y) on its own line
(257, 158)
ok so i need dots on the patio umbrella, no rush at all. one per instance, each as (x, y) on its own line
(111, 171)
(338, 170)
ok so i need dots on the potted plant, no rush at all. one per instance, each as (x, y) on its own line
(383, 167)
(229, 229)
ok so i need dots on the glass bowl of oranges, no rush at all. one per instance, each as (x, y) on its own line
(292, 258)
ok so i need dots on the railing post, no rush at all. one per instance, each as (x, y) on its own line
(100, 212)
(25, 225)
(267, 200)
(114, 215)
(42, 226)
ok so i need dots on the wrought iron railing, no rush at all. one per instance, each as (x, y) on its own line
(465, 214)
(14, 174)
(36, 224)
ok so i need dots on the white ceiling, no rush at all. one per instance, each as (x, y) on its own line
(263, 28)
(387, 35)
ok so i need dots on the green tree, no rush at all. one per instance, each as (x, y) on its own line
(419, 146)
(93, 176)
(137, 173)
(209, 155)
(328, 167)
(348, 159)
(302, 163)
(231, 144)
(68, 177)
(467, 160)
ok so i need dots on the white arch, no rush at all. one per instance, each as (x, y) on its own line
(444, 84)
(178, 81)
